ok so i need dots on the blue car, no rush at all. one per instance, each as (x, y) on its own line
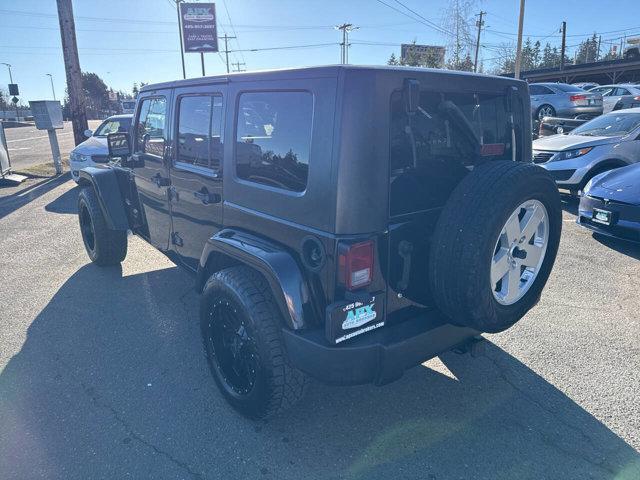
(610, 203)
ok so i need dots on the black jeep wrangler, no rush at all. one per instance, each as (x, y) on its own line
(344, 223)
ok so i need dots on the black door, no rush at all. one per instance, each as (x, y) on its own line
(196, 173)
(148, 162)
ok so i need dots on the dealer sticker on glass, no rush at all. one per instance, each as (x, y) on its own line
(345, 321)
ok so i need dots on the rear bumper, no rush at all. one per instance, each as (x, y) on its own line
(626, 224)
(588, 111)
(380, 356)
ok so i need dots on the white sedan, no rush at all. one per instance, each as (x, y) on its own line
(94, 150)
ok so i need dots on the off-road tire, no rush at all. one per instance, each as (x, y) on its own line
(278, 385)
(104, 246)
(465, 238)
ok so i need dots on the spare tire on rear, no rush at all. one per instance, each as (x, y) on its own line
(495, 244)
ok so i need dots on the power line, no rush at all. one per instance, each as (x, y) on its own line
(438, 29)
(224, 3)
(434, 25)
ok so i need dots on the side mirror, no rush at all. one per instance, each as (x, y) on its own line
(411, 95)
(88, 133)
(119, 144)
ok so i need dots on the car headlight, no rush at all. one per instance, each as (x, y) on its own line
(570, 154)
(588, 186)
(79, 157)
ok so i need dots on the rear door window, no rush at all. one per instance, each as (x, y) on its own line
(273, 138)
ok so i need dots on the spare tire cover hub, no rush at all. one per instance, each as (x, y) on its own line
(519, 252)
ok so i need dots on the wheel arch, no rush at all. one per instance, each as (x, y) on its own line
(231, 247)
(106, 186)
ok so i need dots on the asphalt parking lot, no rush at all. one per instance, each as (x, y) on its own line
(28, 146)
(102, 375)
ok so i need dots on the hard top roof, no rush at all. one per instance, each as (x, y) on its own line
(316, 71)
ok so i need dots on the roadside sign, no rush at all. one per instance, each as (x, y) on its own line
(13, 89)
(113, 96)
(47, 114)
(15, 100)
(199, 31)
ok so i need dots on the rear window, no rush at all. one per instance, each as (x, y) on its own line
(273, 138)
(568, 88)
(450, 132)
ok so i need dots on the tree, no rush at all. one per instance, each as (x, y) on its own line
(393, 60)
(459, 18)
(588, 50)
(96, 93)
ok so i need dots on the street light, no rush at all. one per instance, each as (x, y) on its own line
(9, 67)
(52, 89)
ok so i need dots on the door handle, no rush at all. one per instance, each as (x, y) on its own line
(205, 197)
(161, 181)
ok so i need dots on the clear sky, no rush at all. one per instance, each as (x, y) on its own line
(126, 41)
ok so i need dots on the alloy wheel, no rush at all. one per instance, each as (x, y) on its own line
(519, 252)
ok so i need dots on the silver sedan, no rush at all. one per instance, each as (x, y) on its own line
(563, 100)
(604, 143)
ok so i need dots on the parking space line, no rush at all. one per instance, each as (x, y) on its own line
(36, 138)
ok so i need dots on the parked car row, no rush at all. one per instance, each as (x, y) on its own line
(596, 158)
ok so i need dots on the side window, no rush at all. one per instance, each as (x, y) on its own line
(621, 91)
(200, 131)
(273, 138)
(150, 132)
(535, 90)
(546, 91)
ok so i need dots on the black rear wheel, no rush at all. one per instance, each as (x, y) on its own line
(240, 326)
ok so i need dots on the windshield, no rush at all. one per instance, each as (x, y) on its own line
(113, 125)
(609, 125)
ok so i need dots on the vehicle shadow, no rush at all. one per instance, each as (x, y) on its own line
(111, 382)
(66, 203)
(627, 248)
(20, 198)
(569, 203)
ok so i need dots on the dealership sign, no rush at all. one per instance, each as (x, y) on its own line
(199, 32)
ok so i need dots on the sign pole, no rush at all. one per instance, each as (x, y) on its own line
(184, 72)
(55, 150)
(202, 62)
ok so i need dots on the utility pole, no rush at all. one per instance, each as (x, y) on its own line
(53, 90)
(72, 68)
(519, 47)
(599, 42)
(563, 29)
(344, 52)
(184, 72)
(237, 65)
(226, 39)
(479, 24)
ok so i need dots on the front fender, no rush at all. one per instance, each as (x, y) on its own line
(277, 266)
(105, 183)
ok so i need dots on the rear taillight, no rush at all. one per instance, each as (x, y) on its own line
(637, 98)
(575, 98)
(355, 264)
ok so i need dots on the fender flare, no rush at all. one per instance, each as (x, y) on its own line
(105, 184)
(233, 247)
